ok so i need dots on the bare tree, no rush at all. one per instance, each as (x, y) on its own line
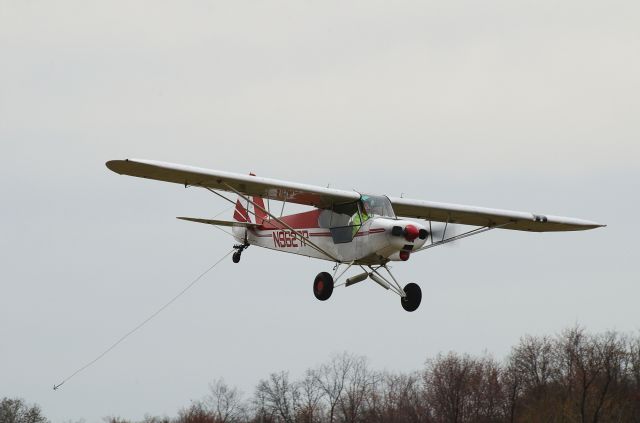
(487, 394)
(447, 382)
(114, 419)
(396, 398)
(594, 369)
(633, 378)
(331, 378)
(512, 382)
(310, 408)
(610, 357)
(576, 377)
(261, 412)
(530, 378)
(573, 377)
(533, 358)
(634, 362)
(197, 412)
(462, 389)
(358, 382)
(18, 411)
(225, 402)
(155, 419)
(279, 397)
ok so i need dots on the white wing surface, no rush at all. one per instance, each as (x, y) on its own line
(480, 216)
(292, 192)
(321, 197)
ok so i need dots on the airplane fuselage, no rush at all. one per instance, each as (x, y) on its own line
(374, 242)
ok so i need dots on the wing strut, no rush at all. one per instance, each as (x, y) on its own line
(475, 231)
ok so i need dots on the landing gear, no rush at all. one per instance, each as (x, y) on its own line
(239, 249)
(412, 298)
(323, 286)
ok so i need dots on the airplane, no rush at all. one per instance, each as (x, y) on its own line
(348, 228)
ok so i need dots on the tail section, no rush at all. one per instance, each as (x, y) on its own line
(261, 215)
(241, 214)
(245, 209)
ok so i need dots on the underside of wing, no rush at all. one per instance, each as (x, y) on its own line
(324, 198)
(219, 222)
(480, 216)
(275, 189)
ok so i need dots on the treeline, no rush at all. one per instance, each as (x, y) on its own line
(572, 377)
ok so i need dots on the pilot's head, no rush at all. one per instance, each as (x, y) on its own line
(366, 201)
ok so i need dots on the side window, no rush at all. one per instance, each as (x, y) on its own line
(339, 221)
(324, 220)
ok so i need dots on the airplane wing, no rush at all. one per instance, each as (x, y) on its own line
(321, 197)
(275, 189)
(480, 216)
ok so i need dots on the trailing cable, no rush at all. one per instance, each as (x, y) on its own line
(144, 322)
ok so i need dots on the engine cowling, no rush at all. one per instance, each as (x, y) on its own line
(403, 237)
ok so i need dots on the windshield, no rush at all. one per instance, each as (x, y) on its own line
(377, 205)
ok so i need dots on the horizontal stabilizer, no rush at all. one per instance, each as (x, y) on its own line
(220, 222)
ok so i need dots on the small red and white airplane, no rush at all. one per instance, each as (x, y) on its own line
(345, 227)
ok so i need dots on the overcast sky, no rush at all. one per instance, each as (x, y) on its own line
(526, 105)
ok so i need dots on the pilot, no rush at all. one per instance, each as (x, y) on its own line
(360, 217)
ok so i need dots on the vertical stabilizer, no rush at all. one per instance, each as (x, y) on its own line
(244, 210)
(261, 216)
(241, 214)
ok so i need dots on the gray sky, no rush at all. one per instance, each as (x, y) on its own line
(524, 105)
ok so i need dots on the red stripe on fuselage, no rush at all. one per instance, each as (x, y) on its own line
(320, 234)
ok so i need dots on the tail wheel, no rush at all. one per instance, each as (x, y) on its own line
(236, 257)
(414, 295)
(323, 286)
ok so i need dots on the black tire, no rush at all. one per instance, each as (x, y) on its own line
(323, 286)
(414, 296)
(236, 257)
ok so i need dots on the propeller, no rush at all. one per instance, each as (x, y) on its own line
(440, 230)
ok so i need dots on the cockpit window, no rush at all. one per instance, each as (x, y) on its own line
(377, 205)
(345, 220)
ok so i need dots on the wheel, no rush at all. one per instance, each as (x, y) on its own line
(414, 295)
(323, 286)
(236, 257)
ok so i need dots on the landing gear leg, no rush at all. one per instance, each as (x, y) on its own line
(410, 296)
(239, 249)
